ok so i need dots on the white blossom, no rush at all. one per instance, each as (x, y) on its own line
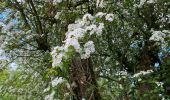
(57, 81)
(76, 32)
(166, 31)
(107, 59)
(50, 96)
(87, 18)
(97, 3)
(92, 28)
(57, 1)
(159, 84)
(151, 1)
(163, 98)
(139, 79)
(157, 36)
(57, 57)
(72, 27)
(47, 89)
(57, 16)
(142, 73)
(109, 17)
(100, 28)
(83, 99)
(100, 14)
(88, 48)
(100, 3)
(122, 73)
(72, 42)
(21, 1)
(142, 2)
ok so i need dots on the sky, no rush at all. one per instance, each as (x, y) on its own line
(13, 65)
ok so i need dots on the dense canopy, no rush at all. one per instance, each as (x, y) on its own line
(85, 49)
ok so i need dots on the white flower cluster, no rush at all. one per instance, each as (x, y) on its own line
(151, 1)
(50, 96)
(142, 2)
(141, 73)
(46, 89)
(57, 81)
(76, 32)
(57, 16)
(57, 1)
(20, 0)
(57, 55)
(158, 36)
(100, 3)
(88, 48)
(159, 84)
(109, 17)
(87, 18)
(122, 74)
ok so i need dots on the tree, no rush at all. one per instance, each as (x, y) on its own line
(88, 49)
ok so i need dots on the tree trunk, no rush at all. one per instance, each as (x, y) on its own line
(149, 57)
(83, 80)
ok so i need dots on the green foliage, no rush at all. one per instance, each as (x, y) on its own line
(32, 29)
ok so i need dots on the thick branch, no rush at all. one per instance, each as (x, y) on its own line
(40, 29)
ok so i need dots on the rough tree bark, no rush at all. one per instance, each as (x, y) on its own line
(149, 56)
(83, 78)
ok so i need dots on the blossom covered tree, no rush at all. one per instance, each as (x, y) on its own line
(86, 49)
